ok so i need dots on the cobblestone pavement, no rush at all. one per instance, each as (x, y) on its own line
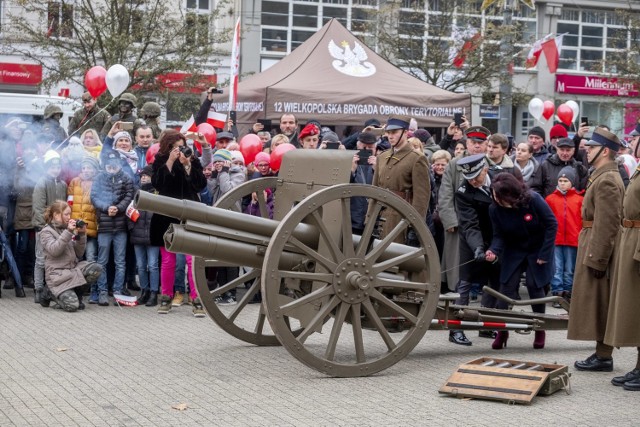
(108, 366)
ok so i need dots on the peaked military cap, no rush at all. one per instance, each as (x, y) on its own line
(397, 123)
(472, 165)
(477, 133)
(604, 138)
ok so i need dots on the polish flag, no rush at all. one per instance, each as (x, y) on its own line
(534, 54)
(189, 126)
(465, 41)
(235, 68)
(217, 120)
(552, 49)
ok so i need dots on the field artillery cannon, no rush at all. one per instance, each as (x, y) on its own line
(311, 270)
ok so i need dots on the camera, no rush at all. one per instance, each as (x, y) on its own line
(187, 151)
(80, 223)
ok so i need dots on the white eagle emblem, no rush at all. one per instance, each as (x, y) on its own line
(351, 62)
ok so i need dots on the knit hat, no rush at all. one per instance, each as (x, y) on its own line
(122, 134)
(558, 131)
(113, 159)
(50, 157)
(538, 131)
(236, 155)
(309, 130)
(330, 137)
(422, 134)
(91, 161)
(569, 173)
(147, 170)
(222, 156)
(262, 157)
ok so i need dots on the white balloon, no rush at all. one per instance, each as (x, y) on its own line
(117, 79)
(536, 106)
(575, 108)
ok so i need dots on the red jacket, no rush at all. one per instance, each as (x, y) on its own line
(567, 209)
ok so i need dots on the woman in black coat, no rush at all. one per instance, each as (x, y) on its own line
(180, 177)
(524, 232)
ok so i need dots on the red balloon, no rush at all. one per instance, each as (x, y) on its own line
(250, 145)
(565, 114)
(151, 152)
(208, 131)
(278, 153)
(95, 81)
(547, 109)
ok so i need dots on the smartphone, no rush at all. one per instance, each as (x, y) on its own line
(364, 155)
(584, 120)
(126, 125)
(333, 145)
(457, 119)
(266, 123)
(232, 116)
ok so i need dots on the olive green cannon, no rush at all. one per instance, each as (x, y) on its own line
(342, 303)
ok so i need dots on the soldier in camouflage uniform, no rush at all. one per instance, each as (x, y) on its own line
(89, 117)
(126, 104)
(51, 125)
(150, 116)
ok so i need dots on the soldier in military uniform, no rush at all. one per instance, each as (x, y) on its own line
(601, 219)
(51, 125)
(403, 171)
(150, 116)
(126, 104)
(89, 117)
(624, 316)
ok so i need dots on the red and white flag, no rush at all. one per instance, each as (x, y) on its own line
(552, 49)
(217, 120)
(189, 126)
(551, 46)
(465, 40)
(235, 68)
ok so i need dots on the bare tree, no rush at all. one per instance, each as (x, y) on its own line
(149, 37)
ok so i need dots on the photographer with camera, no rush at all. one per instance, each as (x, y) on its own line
(177, 173)
(63, 243)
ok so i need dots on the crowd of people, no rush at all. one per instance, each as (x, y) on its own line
(503, 211)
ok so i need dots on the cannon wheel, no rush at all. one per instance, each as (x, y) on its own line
(235, 319)
(350, 285)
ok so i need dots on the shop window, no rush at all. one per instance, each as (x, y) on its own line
(59, 20)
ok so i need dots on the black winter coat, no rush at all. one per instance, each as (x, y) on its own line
(174, 183)
(545, 180)
(112, 190)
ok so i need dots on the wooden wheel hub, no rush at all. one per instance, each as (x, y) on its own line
(353, 280)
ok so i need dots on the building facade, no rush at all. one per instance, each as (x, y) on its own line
(595, 33)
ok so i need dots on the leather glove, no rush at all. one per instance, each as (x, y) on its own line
(597, 273)
(478, 254)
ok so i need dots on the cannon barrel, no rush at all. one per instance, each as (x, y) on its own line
(188, 210)
(234, 237)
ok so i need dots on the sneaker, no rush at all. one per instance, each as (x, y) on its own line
(93, 299)
(198, 311)
(178, 299)
(103, 299)
(165, 304)
(227, 300)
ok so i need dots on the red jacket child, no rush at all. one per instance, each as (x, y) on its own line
(566, 204)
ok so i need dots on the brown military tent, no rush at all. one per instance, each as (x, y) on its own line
(335, 78)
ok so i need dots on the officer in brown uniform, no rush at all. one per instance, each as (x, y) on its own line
(403, 171)
(623, 322)
(601, 219)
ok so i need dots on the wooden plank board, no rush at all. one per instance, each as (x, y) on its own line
(486, 382)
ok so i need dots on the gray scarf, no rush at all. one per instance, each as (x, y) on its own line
(527, 171)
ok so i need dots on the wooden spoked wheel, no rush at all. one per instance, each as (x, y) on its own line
(358, 288)
(244, 321)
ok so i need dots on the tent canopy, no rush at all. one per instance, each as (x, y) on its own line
(334, 78)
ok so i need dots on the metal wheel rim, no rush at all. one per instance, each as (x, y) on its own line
(340, 309)
(229, 322)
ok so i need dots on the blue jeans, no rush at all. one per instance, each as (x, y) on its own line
(119, 240)
(91, 250)
(148, 269)
(179, 282)
(565, 259)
